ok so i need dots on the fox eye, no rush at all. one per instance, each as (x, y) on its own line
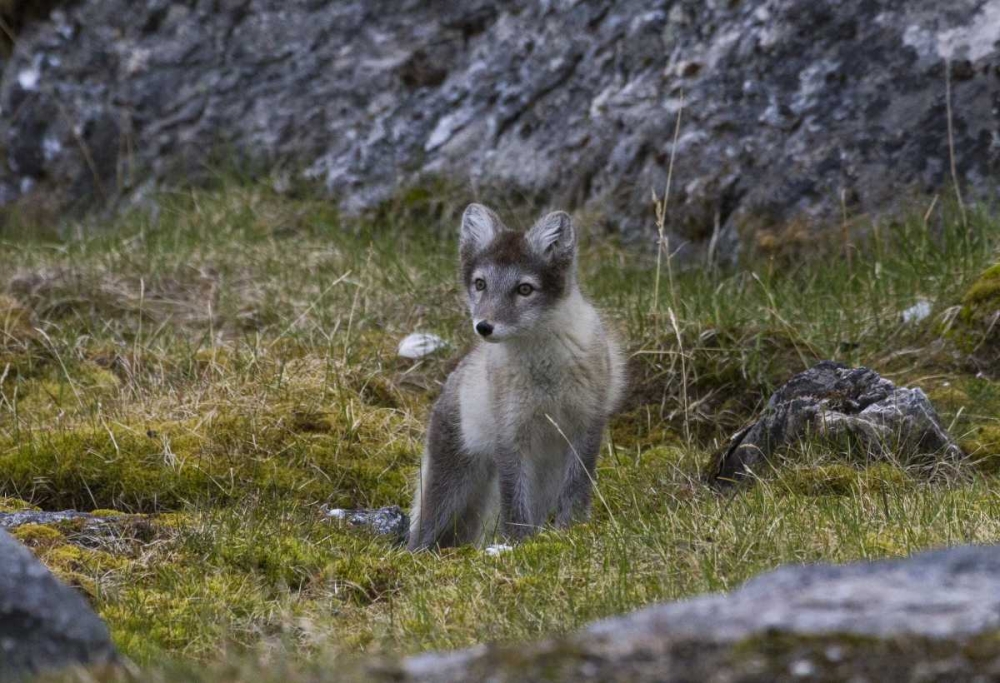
(480, 284)
(524, 289)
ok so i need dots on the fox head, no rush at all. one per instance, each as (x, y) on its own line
(515, 280)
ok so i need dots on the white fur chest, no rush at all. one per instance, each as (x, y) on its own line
(535, 396)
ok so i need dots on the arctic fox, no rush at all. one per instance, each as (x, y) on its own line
(514, 438)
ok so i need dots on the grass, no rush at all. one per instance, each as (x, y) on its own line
(226, 365)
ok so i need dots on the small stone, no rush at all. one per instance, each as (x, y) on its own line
(917, 312)
(420, 345)
(388, 521)
(498, 549)
(802, 668)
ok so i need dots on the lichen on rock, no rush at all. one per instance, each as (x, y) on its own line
(852, 411)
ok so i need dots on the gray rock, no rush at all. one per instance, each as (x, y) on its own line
(833, 404)
(791, 108)
(933, 617)
(11, 520)
(388, 521)
(44, 624)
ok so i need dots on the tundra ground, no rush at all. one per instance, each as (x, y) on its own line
(225, 366)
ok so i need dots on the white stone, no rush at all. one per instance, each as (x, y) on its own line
(420, 345)
(498, 549)
(28, 78)
(917, 312)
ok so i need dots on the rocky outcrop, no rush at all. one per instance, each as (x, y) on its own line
(794, 111)
(833, 404)
(931, 617)
(44, 624)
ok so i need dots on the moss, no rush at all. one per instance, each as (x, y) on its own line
(639, 429)
(282, 560)
(844, 656)
(948, 398)
(884, 477)
(84, 568)
(841, 479)
(364, 578)
(983, 447)
(885, 544)
(341, 458)
(38, 535)
(8, 504)
(822, 480)
(15, 323)
(106, 513)
(46, 387)
(986, 290)
(975, 330)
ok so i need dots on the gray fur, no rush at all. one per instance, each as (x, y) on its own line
(514, 438)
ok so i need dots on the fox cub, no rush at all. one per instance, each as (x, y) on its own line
(514, 438)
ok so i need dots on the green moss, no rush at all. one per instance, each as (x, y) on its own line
(639, 429)
(8, 504)
(38, 535)
(885, 477)
(841, 479)
(334, 457)
(106, 513)
(974, 330)
(15, 323)
(983, 447)
(986, 290)
(822, 480)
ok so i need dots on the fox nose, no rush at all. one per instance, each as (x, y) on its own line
(484, 328)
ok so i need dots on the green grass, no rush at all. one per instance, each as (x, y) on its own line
(227, 365)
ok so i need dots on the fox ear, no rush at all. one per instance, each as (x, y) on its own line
(553, 236)
(479, 227)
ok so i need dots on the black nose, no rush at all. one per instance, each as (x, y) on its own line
(484, 328)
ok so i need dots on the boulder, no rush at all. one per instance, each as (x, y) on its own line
(44, 624)
(931, 617)
(792, 111)
(841, 407)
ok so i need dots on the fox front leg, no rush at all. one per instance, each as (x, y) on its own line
(581, 471)
(453, 490)
(515, 503)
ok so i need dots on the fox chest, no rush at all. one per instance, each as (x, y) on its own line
(534, 408)
(539, 404)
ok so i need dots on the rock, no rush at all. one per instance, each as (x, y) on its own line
(834, 404)
(388, 521)
(918, 312)
(933, 617)
(420, 345)
(44, 624)
(792, 109)
(11, 520)
(115, 533)
(498, 549)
